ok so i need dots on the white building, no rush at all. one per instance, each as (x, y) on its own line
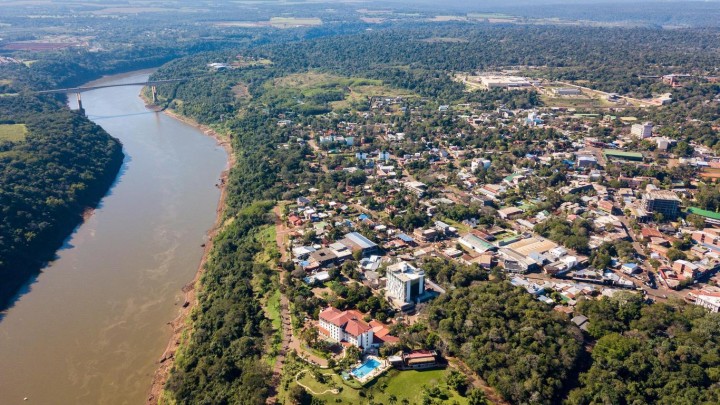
(506, 82)
(478, 163)
(642, 131)
(567, 91)
(711, 302)
(345, 326)
(405, 282)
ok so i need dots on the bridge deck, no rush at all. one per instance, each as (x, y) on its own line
(88, 88)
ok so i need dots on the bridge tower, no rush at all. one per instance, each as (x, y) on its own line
(153, 88)
(81, 110)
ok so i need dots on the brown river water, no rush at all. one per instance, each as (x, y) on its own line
(92, 326)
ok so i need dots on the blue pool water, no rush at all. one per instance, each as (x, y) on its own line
(365, 368)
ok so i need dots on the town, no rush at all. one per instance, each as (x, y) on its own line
(567, 203)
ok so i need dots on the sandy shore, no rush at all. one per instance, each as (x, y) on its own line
(179, 324)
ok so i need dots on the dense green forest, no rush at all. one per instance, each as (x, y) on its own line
(664, 353)
(515, 342)
(48, 177)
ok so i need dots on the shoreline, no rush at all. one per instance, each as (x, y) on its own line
(178, 325)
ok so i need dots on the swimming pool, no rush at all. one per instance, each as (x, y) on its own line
(365, 368)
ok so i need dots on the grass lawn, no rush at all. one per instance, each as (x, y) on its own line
(266, 237)
(402, 384)
(272, 311)
(13, 132)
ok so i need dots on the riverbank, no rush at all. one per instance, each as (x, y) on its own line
(180, 325)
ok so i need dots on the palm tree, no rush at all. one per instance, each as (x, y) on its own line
(392, 399)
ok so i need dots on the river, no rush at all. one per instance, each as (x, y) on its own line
(92, 326)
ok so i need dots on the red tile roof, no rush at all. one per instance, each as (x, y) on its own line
(351, 321)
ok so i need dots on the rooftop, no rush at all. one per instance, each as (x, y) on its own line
(405, 271)
(662, 195)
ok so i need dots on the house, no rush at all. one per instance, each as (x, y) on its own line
(581, 321)
(425, 235)
(295, 220)
(492, 190)
(323, 257)
(317, 278)
(303, 201)
(510, 212)
(606, 206)
(685, 270)
(345, 326)
(586, 161)
(630, 268)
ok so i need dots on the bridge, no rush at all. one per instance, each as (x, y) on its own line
(151, 83)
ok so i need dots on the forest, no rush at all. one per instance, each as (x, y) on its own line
(515, 342)
(663, 353)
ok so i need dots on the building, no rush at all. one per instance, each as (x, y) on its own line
(510, 212)
(710, 217)
(504, 82)
(642, 131)
(355, 241)
(478, 163)
(416, 360)
(476, 243)
(611, 154)
(514, 262)
(709, 300)
(405, 283)
(416, 187)
(567, 91)
(664, 202)
(345, 326)
(685, 270)
(708, 237)
(586, 161)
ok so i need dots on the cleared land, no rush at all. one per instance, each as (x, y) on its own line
(285, 22)
(355, 90)
(276, 22)
(13, 132)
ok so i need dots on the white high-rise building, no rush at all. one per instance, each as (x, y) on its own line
(642, 131)
(405, 282)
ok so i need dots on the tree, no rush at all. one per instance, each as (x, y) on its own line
(458, 381)
(675, 254)
(696, 221)
(477, 397)
(298, 395)
(310, 335)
